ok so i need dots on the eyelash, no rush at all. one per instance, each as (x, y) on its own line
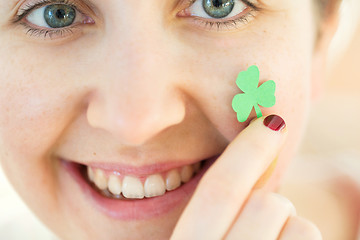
(33, 31)
(233, 22)
(44, 32)
(245, 19)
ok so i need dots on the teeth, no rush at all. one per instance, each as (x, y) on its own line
(114, 185)
(186, 173)
(90, 173)
(154, 186)
(132, 187)
(173, 180)
(100, 179)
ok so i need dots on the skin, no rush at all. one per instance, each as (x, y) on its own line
(158, 84)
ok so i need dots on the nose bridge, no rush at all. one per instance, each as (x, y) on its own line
(137, 97)
(139, 82)
(137, 53)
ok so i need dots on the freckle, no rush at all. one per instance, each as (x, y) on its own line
(94, 153)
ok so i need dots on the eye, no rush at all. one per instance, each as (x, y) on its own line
(54, 16)
(217, 8)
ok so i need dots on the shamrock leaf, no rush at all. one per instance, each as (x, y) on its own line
(253, 96)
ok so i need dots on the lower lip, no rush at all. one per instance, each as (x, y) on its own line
(137, 209)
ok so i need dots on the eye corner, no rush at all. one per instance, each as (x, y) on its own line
(20, 15)
(88, 20)
(183, 13)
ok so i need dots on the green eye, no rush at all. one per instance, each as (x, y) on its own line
(59, 15)
(218, 8)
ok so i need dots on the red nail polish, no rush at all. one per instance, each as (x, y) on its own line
(274, 122)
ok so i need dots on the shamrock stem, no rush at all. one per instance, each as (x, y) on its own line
(258, 111)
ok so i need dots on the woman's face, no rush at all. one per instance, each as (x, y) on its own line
(137, 87)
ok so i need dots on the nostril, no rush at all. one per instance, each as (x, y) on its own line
(135, 126)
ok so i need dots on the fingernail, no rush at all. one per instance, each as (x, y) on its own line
(274, 122)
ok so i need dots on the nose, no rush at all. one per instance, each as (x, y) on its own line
(135, 97)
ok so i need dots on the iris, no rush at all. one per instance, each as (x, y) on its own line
(218, 8)
(59, 15)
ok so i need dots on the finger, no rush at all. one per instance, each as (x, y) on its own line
(298, 228)
(262, 218)
(227, 184)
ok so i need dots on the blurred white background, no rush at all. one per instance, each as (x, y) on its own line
(334, 128)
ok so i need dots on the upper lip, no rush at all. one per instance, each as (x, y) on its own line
(158, 167)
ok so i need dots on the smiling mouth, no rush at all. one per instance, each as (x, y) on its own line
(112, 184)
(128, 193)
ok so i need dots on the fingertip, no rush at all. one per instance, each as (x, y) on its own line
(298, 228)
(253, 120)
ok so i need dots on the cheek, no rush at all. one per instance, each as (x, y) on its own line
(37, 98)
(34, 111)
(28, 113)
(281, 45)
(215, 88)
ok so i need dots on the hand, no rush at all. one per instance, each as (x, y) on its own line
(226, 204)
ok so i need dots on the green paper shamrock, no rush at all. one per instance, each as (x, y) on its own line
(253, 96)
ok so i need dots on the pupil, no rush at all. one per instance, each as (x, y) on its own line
(60, 13)
(218, 8)
(217, 3)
